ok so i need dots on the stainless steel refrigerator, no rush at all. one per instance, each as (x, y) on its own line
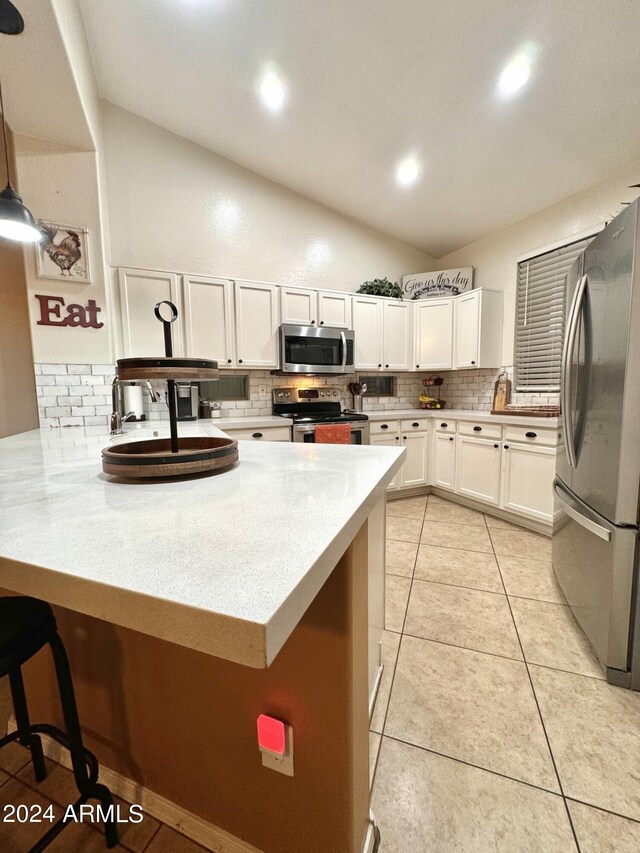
(597, 485)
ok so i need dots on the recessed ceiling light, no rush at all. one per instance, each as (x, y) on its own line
(516, 72)
(408, 171)
(273, 93)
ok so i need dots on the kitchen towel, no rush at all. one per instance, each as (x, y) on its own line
(333, 434)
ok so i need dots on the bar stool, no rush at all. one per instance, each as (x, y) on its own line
(26, 625)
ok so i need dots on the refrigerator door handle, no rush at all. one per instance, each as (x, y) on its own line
(567, 356)
(578, 513)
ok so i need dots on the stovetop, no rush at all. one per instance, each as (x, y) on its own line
(313, 406)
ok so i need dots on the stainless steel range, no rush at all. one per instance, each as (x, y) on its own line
(308, 407)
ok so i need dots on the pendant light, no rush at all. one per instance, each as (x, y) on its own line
(16, 220)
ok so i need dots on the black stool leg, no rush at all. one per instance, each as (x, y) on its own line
(31, 741)
(76, 746)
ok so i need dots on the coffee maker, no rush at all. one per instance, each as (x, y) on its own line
(187, 394)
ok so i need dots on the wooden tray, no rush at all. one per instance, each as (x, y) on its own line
(551, 412)
(129, 369)
(152, 457)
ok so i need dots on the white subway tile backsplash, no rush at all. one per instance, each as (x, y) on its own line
(54, 369)
(79, 368)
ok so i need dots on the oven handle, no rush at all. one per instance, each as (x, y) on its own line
(343, 338)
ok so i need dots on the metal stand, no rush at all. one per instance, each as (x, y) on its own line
(171, 385)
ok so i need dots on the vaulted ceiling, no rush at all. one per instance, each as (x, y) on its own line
(371, 82)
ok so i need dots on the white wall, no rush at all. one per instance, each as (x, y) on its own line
(176, 206)
(495, 256)
(61, 186)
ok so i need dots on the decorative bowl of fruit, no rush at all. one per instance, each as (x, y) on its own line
(427, 402)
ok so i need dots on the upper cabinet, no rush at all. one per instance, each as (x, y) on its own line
(434, 334)
(257, 321)
(367, 326)
(396, 335)
(209, 319)
(334, 309)
(459, 332)
(478, 329)
(298, 306)
(140, 291)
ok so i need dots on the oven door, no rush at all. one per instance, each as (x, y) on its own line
(315, 350)
(306, 433)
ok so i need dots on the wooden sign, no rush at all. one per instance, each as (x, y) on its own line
(51, 314)
(440, 283)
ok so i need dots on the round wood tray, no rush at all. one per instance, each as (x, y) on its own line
(166, 368)
(153, 457)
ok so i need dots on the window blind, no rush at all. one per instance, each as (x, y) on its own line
(540, 308)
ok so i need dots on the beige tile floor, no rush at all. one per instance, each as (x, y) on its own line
(494, 729)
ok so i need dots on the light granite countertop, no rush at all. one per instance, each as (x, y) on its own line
(226, 564)
(464, 415)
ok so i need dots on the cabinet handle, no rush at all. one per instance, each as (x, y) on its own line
(397, 438)
(386, 365)
(531, 434)
(313, 322)
(415, 424)
(506, 447)
(473, 362)
(496, 445)
(444, 426)
(379, 365)
(417, 365)
(257, 435)
(477, 429)
(228, 361)
(384, 426)
(322, 322)
(239, 361)
(451, 439)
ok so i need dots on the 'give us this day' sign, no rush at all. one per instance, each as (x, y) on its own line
(439, 283)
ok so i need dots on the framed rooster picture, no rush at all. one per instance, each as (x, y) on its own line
(63, 253)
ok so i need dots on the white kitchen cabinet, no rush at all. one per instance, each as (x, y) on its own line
(257, 321)
(334, 309)
(209, 319)
(388, 441)
(269, 433)
(444, 460)
(478, 468)
(397, 335)
(477, 329)
(527, 480)
(298, 306)
(368, 319)
(139, 292)
(433, 325)
(414, 470)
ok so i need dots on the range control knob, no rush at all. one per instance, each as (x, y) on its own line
(280, 394)
(335, 393)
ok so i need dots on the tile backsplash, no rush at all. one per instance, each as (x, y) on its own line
(80, 394)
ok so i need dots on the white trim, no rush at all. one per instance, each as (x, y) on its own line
(174, 816)
(376, 687)
(559, 244)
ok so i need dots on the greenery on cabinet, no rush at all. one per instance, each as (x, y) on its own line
(381, 287)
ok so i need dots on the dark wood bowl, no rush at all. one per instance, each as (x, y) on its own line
(152, 457)
(129, 369)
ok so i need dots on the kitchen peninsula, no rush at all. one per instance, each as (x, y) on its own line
(191, 607)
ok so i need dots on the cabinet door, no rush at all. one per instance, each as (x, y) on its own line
(140, 291)
(527, 480)
(414, 470)
(256, 324)
(208, 318)
(434, 334)
(444, 460)
(478, 469)
(467, 329)
(298, 306)
(388, 441)
(397, 330)
(334, 309)
(367, 325)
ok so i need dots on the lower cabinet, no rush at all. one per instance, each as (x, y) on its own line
(414, 470)
(388, 441)
(444, 461)
(527, 480)
(282, 433)
(478, 469)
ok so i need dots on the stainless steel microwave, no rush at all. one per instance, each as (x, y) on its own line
(316, 349)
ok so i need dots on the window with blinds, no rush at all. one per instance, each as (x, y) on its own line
(540, 307)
